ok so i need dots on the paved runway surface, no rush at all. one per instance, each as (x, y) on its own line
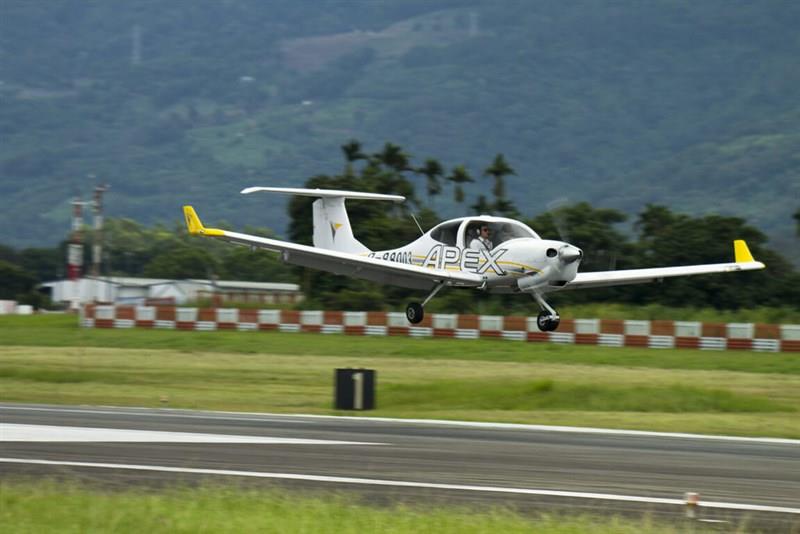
(388, 460)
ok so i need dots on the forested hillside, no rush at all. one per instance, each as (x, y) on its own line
(693, 105)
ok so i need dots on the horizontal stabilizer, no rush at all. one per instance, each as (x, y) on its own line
(324, 193)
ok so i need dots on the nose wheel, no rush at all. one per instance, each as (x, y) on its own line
(548, 319)
(547, 322)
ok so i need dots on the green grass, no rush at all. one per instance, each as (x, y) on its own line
(48, 359)
(679, 400)
(68, 508)
(547, 394)
(62, 331)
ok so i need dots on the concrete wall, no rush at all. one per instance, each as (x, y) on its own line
(605, 332)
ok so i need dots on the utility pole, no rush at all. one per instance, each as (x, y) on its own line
(75, 253)
(75, 247)
(97, 242)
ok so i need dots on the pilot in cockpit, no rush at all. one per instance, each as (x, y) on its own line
(483, 241)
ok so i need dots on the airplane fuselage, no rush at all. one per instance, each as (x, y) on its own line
(514, 258)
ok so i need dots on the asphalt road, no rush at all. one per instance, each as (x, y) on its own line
(526, 467)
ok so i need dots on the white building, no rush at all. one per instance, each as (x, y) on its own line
(127, 290)
(10, 307)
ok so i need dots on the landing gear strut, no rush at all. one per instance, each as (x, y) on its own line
(414, 310)
(548, 318)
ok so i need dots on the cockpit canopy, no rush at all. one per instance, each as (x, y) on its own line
(462, 231)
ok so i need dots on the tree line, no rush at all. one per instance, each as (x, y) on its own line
(657, 236)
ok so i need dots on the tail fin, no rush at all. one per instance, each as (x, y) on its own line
(332, 228)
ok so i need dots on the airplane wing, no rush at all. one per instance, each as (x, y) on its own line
(744, 261)
(343, 263)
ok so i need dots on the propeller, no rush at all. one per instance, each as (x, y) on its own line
(559, 220)
(569, 254)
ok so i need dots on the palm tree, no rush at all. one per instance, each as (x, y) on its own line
(458, 176)
(499, 169)
(352, 151)
(506, 207)
(432, 171)
(393, 157)
(482, 206)
(797, 218)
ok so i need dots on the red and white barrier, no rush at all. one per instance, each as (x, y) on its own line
(605, 332)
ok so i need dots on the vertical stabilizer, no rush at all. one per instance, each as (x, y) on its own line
(332, 228)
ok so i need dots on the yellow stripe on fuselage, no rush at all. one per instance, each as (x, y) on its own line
(520, 265)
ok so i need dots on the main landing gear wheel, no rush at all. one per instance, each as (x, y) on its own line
(547, 322)
(414, 312)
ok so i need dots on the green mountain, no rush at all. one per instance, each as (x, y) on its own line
(694, 105)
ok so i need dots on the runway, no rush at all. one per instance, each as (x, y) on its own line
(527, 467)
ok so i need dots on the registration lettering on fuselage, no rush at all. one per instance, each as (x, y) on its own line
(447, 257)
(396, 257)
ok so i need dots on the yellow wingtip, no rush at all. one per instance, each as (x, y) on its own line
(742, 252)
(195, 226)
(193, 223)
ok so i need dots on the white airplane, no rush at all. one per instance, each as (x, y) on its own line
(508, 258)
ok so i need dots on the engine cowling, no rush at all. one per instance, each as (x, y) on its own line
(560, 265)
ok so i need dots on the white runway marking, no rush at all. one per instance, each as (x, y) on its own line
(298, 418)
(162, 412)
(47, 433)
(407, 484)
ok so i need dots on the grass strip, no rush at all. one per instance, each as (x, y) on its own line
(67, 508)
(675, 400)
(547, 394)
(62, 331)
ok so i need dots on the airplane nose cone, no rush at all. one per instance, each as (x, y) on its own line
(569, 254)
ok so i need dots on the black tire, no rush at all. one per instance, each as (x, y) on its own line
(414, 313)
(543, 320)
(547, 322)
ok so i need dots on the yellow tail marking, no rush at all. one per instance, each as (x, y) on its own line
(741, 252)
(195, 226)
